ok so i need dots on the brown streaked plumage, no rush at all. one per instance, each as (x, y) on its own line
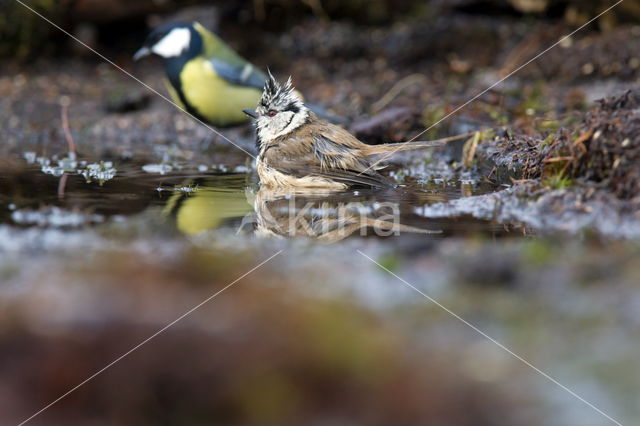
(298, 149)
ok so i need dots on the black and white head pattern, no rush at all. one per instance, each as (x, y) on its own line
(280, 110)
(171, 42)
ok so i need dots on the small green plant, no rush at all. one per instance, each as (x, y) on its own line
(558, 181)
(548, 140)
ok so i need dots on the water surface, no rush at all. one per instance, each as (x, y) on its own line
(198, 198)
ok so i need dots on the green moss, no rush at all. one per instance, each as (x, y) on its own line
(548, 140)
(557, 181)
(548, 125)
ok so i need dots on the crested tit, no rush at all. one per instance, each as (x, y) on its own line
(298, 149)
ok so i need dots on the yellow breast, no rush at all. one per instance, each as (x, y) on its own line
(218, 101)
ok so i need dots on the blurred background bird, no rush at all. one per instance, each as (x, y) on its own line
(205, 76)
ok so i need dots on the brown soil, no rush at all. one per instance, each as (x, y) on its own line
(601, 150)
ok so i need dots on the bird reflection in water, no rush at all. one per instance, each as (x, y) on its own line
(324, 215)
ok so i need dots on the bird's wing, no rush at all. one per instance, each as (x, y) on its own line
(337, 133)
(370, 179)
(241, 75)
(325, 159)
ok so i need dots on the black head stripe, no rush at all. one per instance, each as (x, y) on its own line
(293, 107)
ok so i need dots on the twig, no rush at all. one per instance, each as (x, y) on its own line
(557, 159)
(583, 138)
(448, 138)
(62, 185)
(516, 181)
(469, 150)
(65, 102)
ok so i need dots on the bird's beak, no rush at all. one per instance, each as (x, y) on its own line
(251, 113)
(141, 53)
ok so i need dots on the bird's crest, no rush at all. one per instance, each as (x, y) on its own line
(277, 95)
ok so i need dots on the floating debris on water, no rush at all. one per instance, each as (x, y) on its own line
(100, 172)
(53, 171)
(221, 168)
(188, 189)
(29, 156)
(157, 168)
(242, 169)
(55, 217)
(43, 161)
(68, 164)
(185, 188)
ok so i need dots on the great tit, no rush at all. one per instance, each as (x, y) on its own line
(298, 149)
(205, 76)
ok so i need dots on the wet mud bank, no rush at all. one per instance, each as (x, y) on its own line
(578, 177)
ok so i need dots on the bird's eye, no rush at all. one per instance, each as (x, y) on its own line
(272, 113)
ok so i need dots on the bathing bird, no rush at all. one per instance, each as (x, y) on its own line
(299, 149)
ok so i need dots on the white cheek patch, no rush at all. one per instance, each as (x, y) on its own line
(283, 123)
(173, 44)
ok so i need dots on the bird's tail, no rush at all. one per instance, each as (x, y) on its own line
(391, 148)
